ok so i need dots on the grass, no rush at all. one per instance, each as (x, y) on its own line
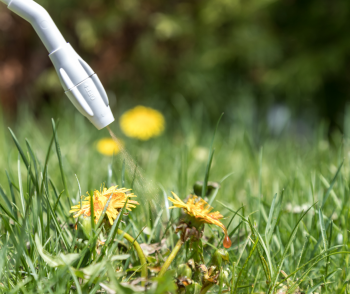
(285, 199)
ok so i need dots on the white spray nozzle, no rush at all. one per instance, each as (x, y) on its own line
(81, 84)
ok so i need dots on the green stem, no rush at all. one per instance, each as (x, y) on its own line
(221, 280)
(233, 278)
(206, 289)
(141, 255)
(171, 257)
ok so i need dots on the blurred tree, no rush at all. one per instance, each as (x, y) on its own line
(221, 53)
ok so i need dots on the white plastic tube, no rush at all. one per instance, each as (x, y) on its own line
(81, 84)
(41, 21)
(7, 2)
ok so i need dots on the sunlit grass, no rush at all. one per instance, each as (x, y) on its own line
(285, 200)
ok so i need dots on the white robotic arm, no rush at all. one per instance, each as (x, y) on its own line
(81, 84)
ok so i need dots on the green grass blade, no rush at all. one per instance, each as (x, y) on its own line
(274, 213)
(291, 239)
(93, 227)
(11, 192)
(305, 274)
(48, 156)
(6, 205)
(329, 244)
(104, 211)
(76, 282)
(24, 158)
(116, 224)
(323, 229)
(113, 232)
(109, 175)
(331, 186)
(155, 226)
(245, 264)
(212, 198)
(269, 266)
(34, 161)
(260, 207)
(59, 156)
(87, 248)
(58, 227)
(58, 196)
(314, 288)
(79, 191)
(228, 226)
(319, 256)
(210, 158)
(123, 174)
(23, 202)
(92, 211)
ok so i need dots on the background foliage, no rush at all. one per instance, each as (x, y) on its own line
(221, 54)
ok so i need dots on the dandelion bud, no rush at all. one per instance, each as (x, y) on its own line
(85, 223)
(219, 256)
(184, 271)
(211, 186)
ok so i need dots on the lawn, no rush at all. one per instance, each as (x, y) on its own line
(283, 193)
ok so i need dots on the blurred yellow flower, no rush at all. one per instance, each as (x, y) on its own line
(201, 210)
(142, 123)
(107, 146)
(100, 199)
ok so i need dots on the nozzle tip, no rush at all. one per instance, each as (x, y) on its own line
(103, 120)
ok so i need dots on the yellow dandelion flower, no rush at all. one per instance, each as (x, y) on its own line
(108, 147)
(100, 199)
(201, 210)
(142, 123)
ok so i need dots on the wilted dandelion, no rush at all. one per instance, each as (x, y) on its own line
(107, 146)
(142, 123)
(200, 211)
(100, 199)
